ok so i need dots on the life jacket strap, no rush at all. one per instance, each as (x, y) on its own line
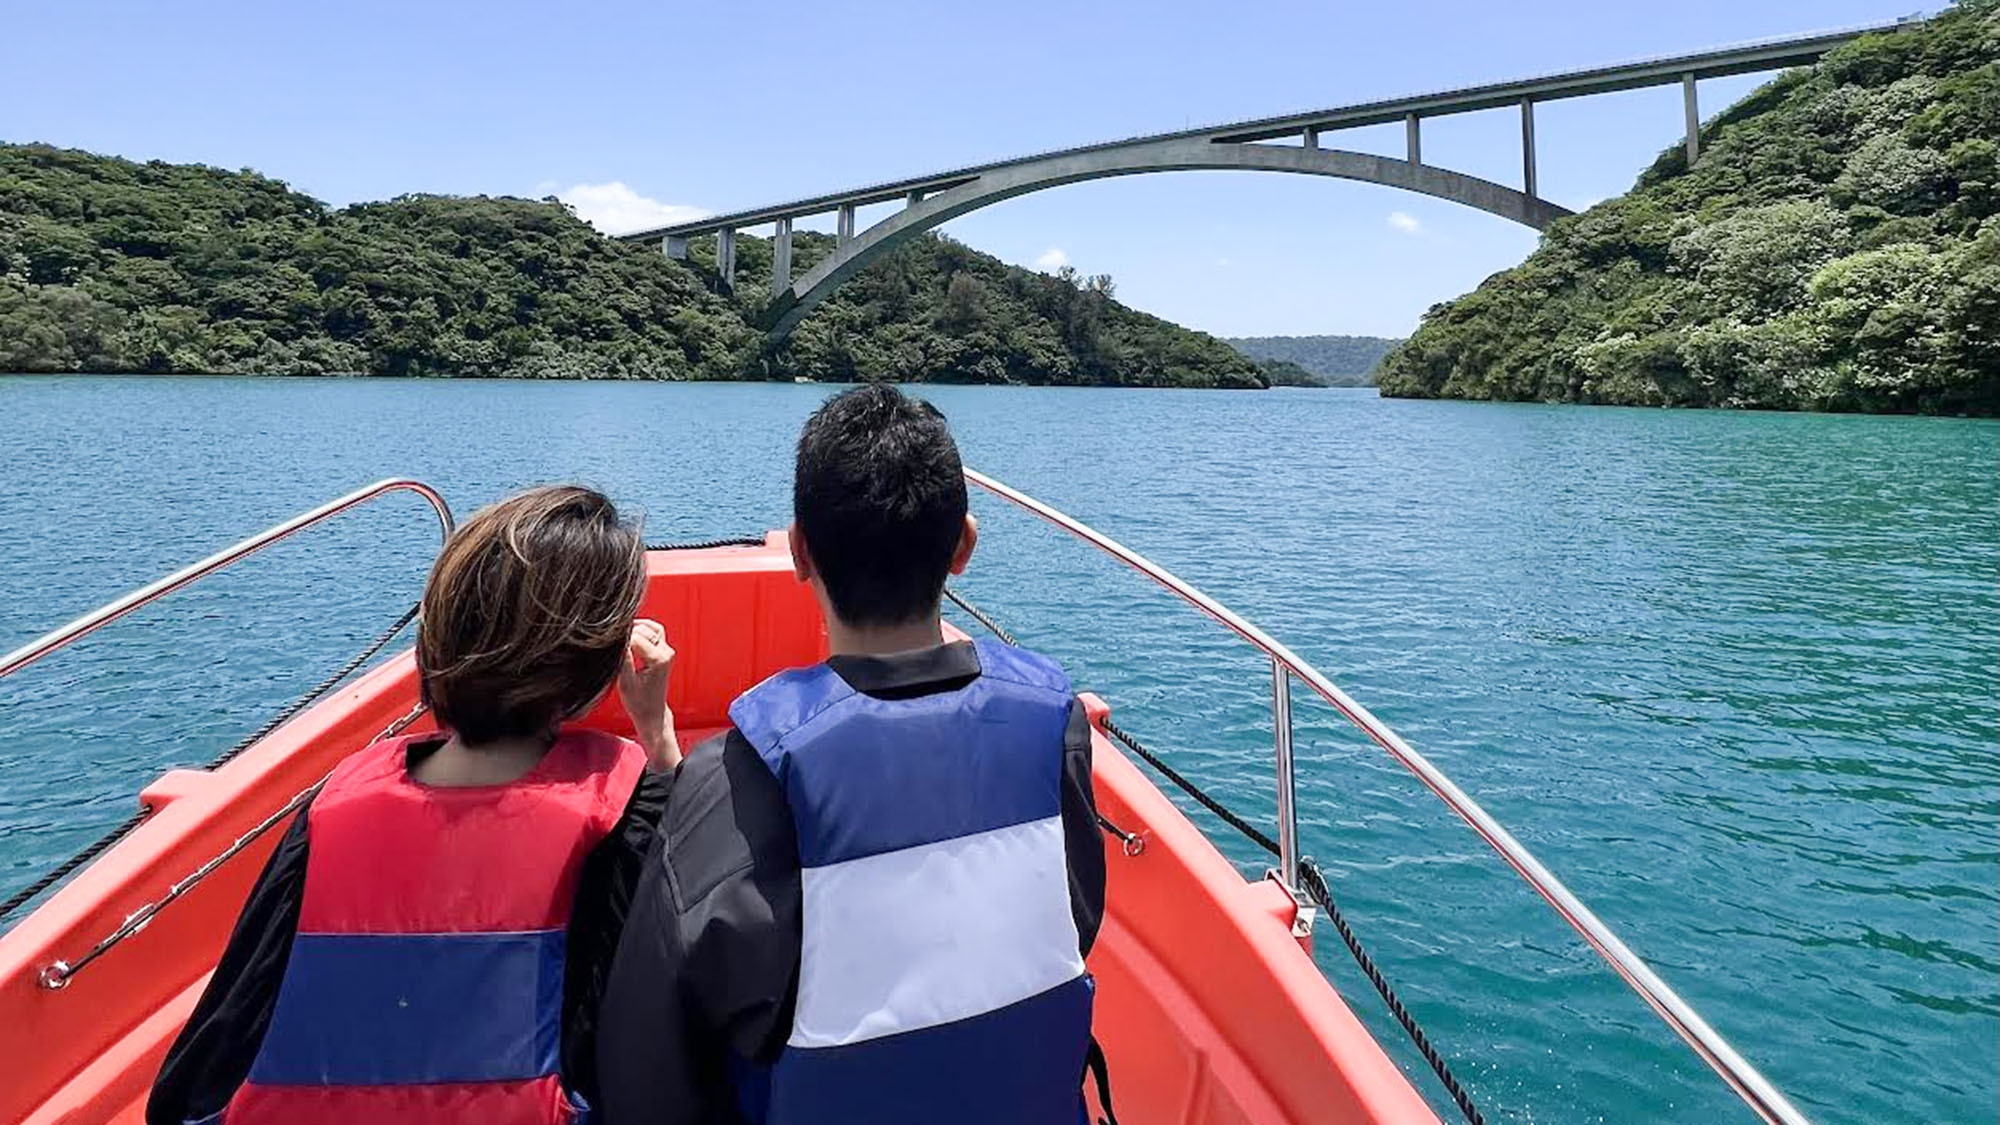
(1100, 1074)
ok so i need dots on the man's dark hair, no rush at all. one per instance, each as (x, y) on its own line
(879, 495)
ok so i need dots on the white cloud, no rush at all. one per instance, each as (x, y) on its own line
(1054, 259)
(1405, 222)
(616, 209)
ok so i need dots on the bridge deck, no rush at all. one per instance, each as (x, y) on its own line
(1748, 58)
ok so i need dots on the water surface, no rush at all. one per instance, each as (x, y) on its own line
(1732, 676)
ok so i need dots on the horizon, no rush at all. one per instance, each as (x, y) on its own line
(443, 112)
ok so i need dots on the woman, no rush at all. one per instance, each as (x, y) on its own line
(430, 938)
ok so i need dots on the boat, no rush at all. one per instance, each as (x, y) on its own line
(1210, 1007)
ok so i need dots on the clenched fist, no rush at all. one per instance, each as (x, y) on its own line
(642, 687)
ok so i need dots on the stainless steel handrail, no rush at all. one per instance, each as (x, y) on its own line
(1281, 741)
(104, 615)
(1750, 1085)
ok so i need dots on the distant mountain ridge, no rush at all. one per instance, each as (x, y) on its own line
(1337, 361)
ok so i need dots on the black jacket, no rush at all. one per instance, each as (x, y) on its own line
(708, 966)
(212, 1056)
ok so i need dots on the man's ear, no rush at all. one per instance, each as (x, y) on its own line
(802, 563)
(967, 540)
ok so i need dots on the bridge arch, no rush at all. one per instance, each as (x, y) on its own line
(1176, 154)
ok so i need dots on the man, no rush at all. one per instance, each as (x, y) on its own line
(873, 896)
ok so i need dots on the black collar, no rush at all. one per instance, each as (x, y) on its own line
(920, 671)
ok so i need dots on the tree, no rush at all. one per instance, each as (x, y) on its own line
(964, 304)
(1832, 249)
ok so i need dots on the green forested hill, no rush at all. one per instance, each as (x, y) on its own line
(1836, 247)
(1337, 361)
(110, 265)
(1285, 373)
(940, 307)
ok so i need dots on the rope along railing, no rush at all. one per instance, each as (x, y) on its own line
(1757, 1092)
(740, 541)
(1250, 831)
(979, 615)
(125, 828)
(309, 698)
(104, 615)
(69, 866)
(1312, 880)
(57, 975)
(1133, 843)
(291, 710)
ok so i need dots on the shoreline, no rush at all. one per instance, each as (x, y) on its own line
(544, 380)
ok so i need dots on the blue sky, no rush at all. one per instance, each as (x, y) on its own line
(637, 110)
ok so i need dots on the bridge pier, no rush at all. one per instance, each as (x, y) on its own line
(781, 258)
(675, 247)
(844, 224)
(1312, 137)
(1692, 103)
(1413, 137)
(725, 256)
(1528, 146)
(915, 197)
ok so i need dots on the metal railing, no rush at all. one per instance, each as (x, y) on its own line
(1756, 1091)
(104, 615)
(56, 975)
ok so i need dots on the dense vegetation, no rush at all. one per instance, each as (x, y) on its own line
(939, 307)
(1332, 361)
(1285, 373)
(110, 265)
(1836, 247)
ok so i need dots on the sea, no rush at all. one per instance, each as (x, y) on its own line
(1734, 677)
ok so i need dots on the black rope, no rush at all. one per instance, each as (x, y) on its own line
(1250, 831)
(1311, 879)
(744, 541)
(63, 869)
(978, 615)
(103, 843)
(313, 694)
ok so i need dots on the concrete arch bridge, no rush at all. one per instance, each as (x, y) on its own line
(1290, 143)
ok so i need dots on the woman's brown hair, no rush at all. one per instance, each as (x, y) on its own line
(528, 612)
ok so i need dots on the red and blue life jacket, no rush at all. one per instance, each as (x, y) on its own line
(425, 983)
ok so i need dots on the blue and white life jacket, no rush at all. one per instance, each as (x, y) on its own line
(940, 977)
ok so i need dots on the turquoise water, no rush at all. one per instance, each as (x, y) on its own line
(1733, 676)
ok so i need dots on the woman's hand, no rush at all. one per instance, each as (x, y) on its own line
(642, 687)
